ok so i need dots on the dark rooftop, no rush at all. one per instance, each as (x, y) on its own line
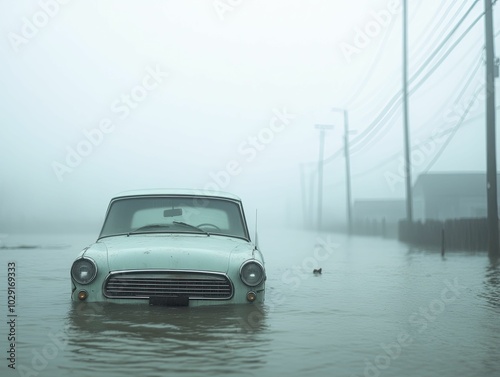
(457, 184)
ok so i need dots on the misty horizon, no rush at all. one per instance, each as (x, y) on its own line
(199, 95)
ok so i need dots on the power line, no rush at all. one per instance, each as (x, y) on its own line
(435, 33)
(374, 64)
(452, 47)
(451, 130)
(443, 43)
(416, 146)
(469, 81)
(399, 153)
(376, 60)
(390, 116)
(381, 134)
(365, 138)
(373, 129)
(451, 136)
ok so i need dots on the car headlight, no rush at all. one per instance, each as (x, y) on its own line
(84, 270)
(252, 273)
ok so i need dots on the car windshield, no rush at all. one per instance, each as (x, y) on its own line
(167, 214)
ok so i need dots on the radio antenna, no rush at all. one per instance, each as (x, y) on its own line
(256, 235)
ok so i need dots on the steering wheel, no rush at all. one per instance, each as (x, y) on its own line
(209, 225)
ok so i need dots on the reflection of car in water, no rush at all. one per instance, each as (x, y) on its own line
(217, 321)
(172, 248)
(106, 339)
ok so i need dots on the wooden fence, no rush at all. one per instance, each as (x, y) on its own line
(457, 234)
(372, 227)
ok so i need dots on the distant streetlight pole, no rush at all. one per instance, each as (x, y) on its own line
(305, 211)
(322, 129)
(491, 164)
(409, 197)
(347, 169)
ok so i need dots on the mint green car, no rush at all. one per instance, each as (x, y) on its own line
(171, 248)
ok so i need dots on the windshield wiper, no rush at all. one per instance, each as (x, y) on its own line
(143, 228)
(192, 227)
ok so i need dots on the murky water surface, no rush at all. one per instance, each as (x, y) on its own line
(378, 309)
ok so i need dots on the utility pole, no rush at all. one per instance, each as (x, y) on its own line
(491, 163)
(409, 197)
(304, 196)
(322, 129)
(347, 170)
(303, 193)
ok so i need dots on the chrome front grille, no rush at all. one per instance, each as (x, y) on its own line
(146, 284)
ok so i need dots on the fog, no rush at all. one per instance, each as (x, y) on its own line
(100, 97)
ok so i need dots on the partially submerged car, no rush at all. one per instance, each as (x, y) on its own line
(172, 248)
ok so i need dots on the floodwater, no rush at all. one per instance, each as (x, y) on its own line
(378, 309)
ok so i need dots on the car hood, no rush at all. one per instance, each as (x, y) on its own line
(173, 251)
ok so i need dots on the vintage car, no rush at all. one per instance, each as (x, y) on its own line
(171, 248)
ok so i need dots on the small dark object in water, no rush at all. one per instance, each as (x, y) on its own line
(317, 271)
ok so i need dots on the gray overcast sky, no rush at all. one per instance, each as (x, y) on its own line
(104, 96)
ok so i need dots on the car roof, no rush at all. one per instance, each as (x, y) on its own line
(177, 192)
